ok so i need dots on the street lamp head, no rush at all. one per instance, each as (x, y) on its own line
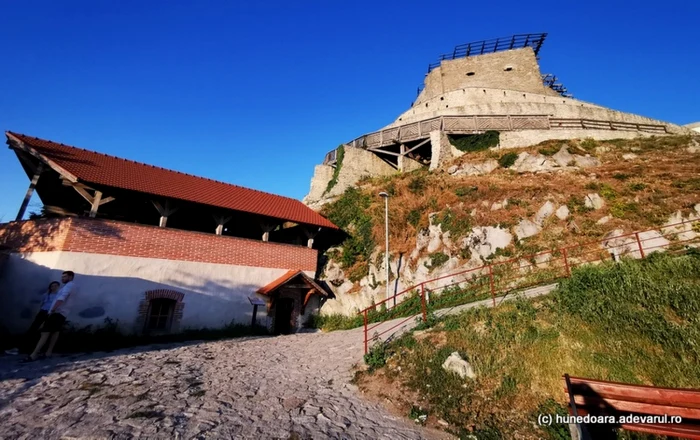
(383, 194)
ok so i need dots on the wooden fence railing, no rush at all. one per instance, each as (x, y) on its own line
(469, 124)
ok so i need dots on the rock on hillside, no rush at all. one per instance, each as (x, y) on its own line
(472, 212)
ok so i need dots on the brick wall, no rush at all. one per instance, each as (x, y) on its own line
(35, 235)
(128, 239)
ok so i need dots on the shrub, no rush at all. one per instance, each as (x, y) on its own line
(377, 355)
(475, 142)
(623, 210)
(413, 217)
(437, 259)
(550, 150)
(417, 184)
(462, 191)
(637, 186)
(338, 164)
(607, 192)
(589, 144)
(508, 159)
(621, 176)
(352, 209)
(458, 225)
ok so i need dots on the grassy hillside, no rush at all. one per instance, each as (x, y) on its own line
(640, 192)
(636, 321)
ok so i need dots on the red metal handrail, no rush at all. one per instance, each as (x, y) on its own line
(562, 254)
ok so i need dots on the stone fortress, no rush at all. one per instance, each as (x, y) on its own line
(490, 85)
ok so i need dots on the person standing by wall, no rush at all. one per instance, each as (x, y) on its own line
(46, 303)
(57, 317)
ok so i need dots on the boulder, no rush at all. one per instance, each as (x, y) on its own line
(484, 241)
(455, 364)
(499, 205)
(544, 212)
(532, 163)
(526, 229)
(586, 161)
(563, 158)
(476, 169)
(563, 212)
(604, 220)
(594, 201)
(629, 156)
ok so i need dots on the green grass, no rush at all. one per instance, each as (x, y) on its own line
(350, 213)
(635, 322)
(340, 154)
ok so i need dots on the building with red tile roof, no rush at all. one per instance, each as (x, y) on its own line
(158, 250)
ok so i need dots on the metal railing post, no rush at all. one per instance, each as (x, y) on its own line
(493, 288)
(639, 243)
(365, 321)
(423, 304)
(566, 262)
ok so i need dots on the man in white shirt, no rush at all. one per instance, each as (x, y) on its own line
(57, 316)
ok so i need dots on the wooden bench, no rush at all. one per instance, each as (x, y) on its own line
(602, 398)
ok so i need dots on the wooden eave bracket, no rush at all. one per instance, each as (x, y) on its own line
(17, 144)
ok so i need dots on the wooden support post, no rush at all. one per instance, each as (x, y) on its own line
(30, 191)
(267, 228)
(95, 203)
(220, 222)
(164, 211)
(255, 315)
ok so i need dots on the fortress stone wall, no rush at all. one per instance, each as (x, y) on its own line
(503, 91)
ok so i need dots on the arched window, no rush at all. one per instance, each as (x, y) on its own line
(160, 314)
(160, 311)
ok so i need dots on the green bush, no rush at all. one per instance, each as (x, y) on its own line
(350, 212)
(338, 164)
(550, 150)
(417, 184)
(508, 159)
(437, 259)
(637, 186)
(458, 225)
(607, 192)
(589, 144)
(624, 210)
(377, 355)
(475, 142)
(413, 217)
(462, 191)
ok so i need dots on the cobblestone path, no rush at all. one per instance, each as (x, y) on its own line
(287, 387)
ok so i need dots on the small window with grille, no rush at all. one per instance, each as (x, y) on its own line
(160, 314)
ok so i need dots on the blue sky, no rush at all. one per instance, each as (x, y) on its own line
(256, 93)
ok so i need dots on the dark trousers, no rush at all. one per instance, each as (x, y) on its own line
(30, 337)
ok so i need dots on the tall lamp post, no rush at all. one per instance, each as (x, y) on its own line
(386, 245)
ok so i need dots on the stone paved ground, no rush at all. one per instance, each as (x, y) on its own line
(258, 388)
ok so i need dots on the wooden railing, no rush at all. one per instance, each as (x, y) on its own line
(469, 124)
(496, 279)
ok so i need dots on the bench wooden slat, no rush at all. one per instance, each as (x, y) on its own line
(682, 430)
(604, 406)
(637, 393)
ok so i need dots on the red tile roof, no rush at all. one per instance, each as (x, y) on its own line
(287, 277)
(101, 169)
